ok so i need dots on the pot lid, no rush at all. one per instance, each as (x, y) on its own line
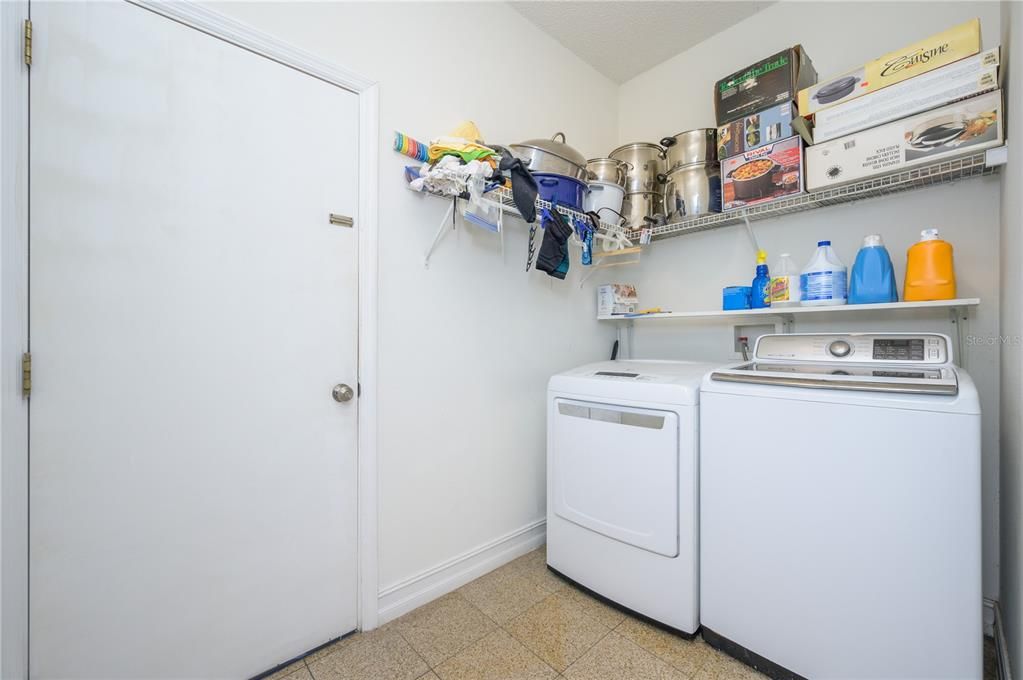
(594, 161)
(556, 148)
(638, 145)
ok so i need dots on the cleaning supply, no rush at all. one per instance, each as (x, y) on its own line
(735, 297)
(761, 296)
(872, 280)
(930, 274)
(785, 283)
(823, 281)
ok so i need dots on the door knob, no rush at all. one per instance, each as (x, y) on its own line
(342, 393)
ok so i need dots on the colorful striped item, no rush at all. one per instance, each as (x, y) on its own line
(404, 144)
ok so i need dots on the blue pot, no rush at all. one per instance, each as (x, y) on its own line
(566, 191)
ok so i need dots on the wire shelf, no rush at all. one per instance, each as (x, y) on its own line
(503, 196)
(944, 172)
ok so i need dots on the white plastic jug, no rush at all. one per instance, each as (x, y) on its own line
(824, 279)
(785, 283)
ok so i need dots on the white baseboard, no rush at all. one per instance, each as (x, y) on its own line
(404, 596)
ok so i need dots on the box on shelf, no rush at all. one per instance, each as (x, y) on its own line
(956, 81)
(755, 130)
(759, 86)
(963, 127)
(616, 298)
(944, 48)
(763, 174)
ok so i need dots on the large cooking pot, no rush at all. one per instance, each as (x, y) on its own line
(643, 163)
(605, 199)
(551, 156)
(754, 179)
(567, 191)
(639, 205)
(606, 170)
(692, 190)
(691, 147)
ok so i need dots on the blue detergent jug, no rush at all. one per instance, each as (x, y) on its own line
(872, 280)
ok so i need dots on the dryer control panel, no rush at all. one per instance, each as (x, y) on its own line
(858, 348)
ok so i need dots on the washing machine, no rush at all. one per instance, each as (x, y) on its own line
(622, 485)
(840, 516)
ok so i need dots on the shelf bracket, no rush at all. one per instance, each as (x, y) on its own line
(960, 317)
(442, 231)
(788, 323)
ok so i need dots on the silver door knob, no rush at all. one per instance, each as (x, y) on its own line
(342, 393)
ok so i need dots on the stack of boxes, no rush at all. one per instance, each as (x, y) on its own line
(761, 153)
(934, 99)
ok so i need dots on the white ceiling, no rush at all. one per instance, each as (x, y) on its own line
(622, 38)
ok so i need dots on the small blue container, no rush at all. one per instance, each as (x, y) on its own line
(567, 191)
(872, 280)
(736, 297)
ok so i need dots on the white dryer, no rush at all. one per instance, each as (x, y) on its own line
(840, 509)
(622, 485)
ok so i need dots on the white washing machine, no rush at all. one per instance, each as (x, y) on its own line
(622, 485)
(840, 509)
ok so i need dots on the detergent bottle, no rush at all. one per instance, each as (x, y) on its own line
(823, 281)
(873, 279)
(785, 283)
(930, 274)
(761, 296)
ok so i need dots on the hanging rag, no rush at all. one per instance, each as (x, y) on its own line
(524, 187)
(553, 255)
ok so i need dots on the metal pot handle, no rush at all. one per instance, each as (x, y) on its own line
(668, 141)
(662, 178)
(555, 136)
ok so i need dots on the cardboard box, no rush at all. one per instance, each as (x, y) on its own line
(964, 127)
(952, 45)
(956, 81)
(616, 298)
(765, 174)
(760, 86)
(753, 131)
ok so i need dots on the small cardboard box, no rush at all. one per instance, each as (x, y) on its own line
(759, 86)
(765, 174)
(944, 48)
(616, 298)
(964, 127)
(753, 131)
(956, 81)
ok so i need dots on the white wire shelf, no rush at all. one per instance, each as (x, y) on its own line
(943, 172)
(961, 303)
(503, 196)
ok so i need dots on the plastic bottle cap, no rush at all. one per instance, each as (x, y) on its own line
(929, 235)
(761, 257)
(872, 240)
(823, 243)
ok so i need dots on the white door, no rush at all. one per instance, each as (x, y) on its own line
(192, 482)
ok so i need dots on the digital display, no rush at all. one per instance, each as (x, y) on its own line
(898, 374)
(899, 349)
(613, 374)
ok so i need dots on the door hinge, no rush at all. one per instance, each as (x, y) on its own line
(26, 374)
(28, 42)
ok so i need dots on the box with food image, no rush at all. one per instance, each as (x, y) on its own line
(753, 131)
(964, 127)
(771, 172)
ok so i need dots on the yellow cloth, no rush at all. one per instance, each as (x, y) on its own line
(467, 130)
(460, 146)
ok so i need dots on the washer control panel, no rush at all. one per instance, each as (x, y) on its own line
(859, 348)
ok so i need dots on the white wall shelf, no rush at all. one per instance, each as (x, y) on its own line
(942, 172)
(958, 304)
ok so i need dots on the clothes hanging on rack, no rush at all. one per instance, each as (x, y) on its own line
(524, 188)
(553, 255)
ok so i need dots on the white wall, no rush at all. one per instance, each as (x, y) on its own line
(1012, 366)
(687, 273)
(467, 346)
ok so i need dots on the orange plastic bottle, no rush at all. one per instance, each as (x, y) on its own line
(929, 271)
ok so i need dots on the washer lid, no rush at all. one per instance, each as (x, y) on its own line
(663, 382)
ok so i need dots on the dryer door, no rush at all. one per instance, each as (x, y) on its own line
(615, 471)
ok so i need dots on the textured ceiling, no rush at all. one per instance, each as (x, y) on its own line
(622, 38)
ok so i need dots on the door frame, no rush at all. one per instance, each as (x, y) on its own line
(14, 322)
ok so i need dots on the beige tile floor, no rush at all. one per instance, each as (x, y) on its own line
(520, 622)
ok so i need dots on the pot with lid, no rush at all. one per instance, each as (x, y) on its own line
(551, 156)
(643, 163)
(691, 147)
(692, 190)
(607, 170)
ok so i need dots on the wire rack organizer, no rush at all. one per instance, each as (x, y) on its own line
(503, 196)
(943, 172)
